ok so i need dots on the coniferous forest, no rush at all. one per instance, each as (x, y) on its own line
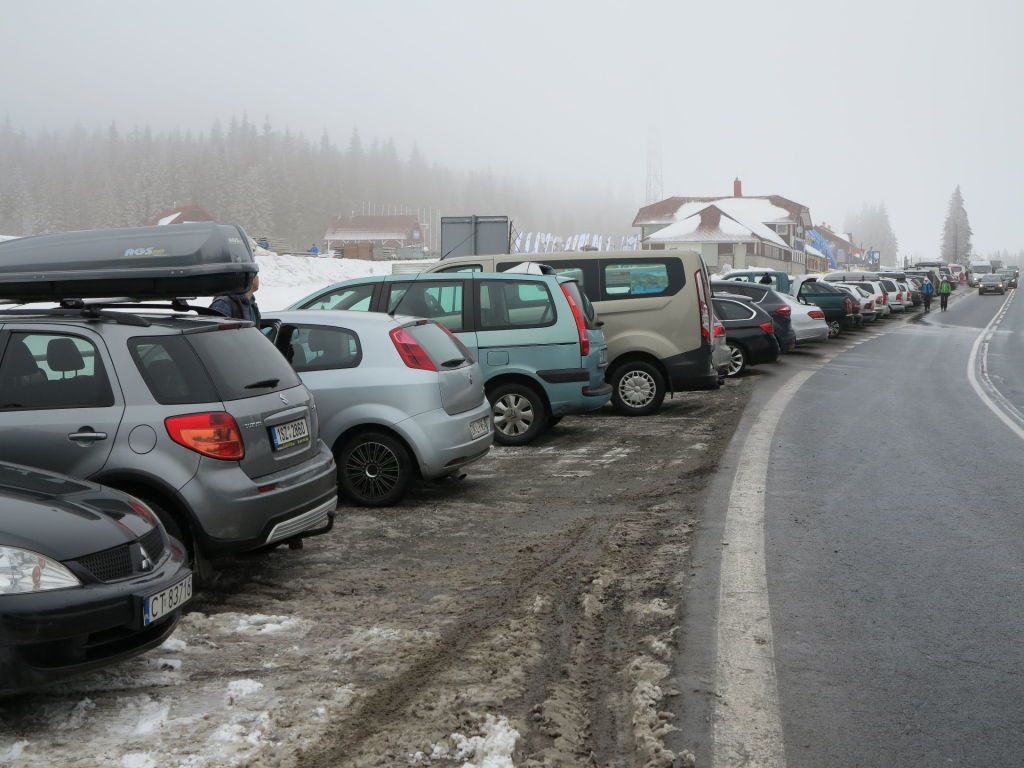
(277, 184)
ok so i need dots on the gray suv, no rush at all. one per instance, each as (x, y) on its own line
(200, 417)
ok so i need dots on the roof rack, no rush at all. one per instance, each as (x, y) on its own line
(102, 309)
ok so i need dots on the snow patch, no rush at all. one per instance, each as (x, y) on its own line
(491, 749)
(261, 624)
(151, 717)
(173, 644)
(138, 760)
(14, 752)
(243, 687)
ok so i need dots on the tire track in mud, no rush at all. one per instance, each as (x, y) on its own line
(606, 589)
(383, 708)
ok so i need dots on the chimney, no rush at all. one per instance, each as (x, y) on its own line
(737, 188)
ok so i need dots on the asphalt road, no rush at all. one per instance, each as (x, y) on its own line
(892, 555)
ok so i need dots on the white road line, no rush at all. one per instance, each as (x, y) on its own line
(977, 374)
(747, 721)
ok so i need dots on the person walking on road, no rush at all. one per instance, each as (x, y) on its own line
(240, 305)
(944, 289)
(927, 291)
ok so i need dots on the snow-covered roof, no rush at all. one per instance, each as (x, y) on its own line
(734, 225)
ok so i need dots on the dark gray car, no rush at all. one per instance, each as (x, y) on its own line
(768, 300)
(200, 417)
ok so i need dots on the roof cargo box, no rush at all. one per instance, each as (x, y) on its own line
(175, 261)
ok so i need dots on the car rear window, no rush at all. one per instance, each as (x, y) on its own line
(580, 297)
(243, 363)
(172, 370)
(889, 285)
(439, 345)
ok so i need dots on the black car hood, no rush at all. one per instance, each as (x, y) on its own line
(65, 518)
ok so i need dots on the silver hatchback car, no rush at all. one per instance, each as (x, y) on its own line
(398, 397)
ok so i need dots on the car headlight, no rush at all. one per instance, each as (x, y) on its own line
(22, 570)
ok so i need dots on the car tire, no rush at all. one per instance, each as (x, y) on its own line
(834, 328)
(638, 388)
(737, 360)
(518, 413)
(374, 469)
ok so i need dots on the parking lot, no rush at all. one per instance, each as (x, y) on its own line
(538, 595)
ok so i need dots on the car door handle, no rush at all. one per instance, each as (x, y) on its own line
(87, 433)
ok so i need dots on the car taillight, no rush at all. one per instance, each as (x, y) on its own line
(412, 354)
(784, 310)
(581, 326)
(849, 306)
(899, 297)
(719, 330)
(817, 314)
(214, 434)
(885, 297)
(702, 306)
(768, 327)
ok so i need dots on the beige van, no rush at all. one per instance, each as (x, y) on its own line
(656, 314)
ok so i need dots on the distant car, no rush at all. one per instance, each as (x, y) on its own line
(1009, 277)
(864, 299)
(88, 578)
(749, 332)
(399, 398)
(991, 284)
(808, 321)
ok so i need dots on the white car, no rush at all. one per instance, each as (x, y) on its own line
(864, 298)
(808, 321)
(896, 296)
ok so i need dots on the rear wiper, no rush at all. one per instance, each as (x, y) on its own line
(453, 363)
(262, 384)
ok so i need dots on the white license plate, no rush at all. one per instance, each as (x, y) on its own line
(286, 435)
(479, 427)
(159, 605)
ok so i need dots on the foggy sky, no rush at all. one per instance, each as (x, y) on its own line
(826, 104)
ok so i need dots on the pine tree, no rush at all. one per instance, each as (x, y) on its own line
(956, 233)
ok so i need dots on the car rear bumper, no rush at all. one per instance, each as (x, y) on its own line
(443, 443)
(49, 636)
(692, 370)
(238, 513)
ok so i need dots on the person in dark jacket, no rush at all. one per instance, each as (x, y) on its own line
(927, 292)
(240, 305)
(766, 279)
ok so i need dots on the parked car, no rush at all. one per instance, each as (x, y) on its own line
(88, 578)
(399, 398)
(198, 416)
(770, 301)
(808, 321)
(749, 332)
(541, 356)
(721, 354)
(991, 283)
(895, 296)
(864, 300)
(837, 305)
(655, 307)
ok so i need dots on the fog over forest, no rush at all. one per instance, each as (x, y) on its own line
(561, 114)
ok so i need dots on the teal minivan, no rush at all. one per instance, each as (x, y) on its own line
(541, 350)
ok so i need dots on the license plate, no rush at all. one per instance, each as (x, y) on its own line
(479, 427)
(290, 434)
(162, 603)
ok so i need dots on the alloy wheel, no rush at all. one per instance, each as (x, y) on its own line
(373, 469)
